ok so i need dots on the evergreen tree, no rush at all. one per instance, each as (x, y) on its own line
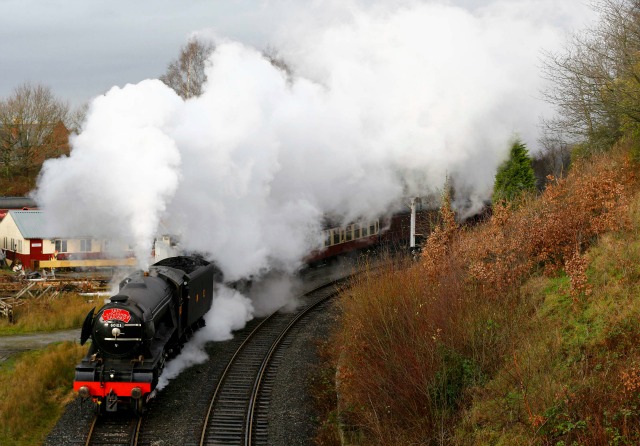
(515, 175)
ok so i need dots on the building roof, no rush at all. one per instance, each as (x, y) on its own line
(31, 224)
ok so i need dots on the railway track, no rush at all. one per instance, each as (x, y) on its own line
(238, 410)
(120, 429)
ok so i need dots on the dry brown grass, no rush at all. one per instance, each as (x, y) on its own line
(552, 231)
(458, 341)
(64, 312)
(33, 391)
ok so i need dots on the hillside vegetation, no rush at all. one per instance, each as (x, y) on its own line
(522, 330)
(525, 329)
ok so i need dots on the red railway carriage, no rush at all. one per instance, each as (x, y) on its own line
(391, 231)
(341, 239)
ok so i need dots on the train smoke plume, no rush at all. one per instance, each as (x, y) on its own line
(230, 311)
(385, 101)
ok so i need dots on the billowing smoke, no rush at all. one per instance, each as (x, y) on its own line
(230, 311)
(385, 101)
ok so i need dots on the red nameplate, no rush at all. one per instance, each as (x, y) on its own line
(116, 314)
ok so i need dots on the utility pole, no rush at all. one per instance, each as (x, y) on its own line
(412, 236)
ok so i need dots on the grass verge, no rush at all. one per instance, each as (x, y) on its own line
(36, 315)
(34, 387)
(574, 373)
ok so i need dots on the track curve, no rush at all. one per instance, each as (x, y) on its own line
(231, 418)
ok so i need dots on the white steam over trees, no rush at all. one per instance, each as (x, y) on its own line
(186, 75)
(273, 56)
(383, 102)
(376, 108)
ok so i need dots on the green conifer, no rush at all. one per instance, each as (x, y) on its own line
(515, 175)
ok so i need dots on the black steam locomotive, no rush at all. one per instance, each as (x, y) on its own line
(145, 323)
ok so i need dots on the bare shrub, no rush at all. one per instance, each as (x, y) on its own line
(547, 232)
(576, 268)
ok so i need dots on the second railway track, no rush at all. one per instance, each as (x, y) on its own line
(237, 414)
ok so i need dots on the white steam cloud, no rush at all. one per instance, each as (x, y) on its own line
(385, 102)
(230, 311)
(386, 99)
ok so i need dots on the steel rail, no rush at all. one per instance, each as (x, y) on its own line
(132, 434)
(248, 438)
(225, 375)
(260, 328)
(90, 434)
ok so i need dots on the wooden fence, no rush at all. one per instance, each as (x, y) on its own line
(43, 289)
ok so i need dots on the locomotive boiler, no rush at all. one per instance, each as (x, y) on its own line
(144, 324)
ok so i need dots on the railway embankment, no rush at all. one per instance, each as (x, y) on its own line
(523, 330)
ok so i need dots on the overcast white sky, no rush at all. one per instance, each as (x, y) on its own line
(81, 48)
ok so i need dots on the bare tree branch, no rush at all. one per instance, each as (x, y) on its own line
(32, 129)
(596, 79)
(186, 74)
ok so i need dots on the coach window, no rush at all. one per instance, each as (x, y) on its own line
(327, 238)
(372, 229)
(85, 245)
(19, 246)
(349, 233)
(61, 245)
(336, 235)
